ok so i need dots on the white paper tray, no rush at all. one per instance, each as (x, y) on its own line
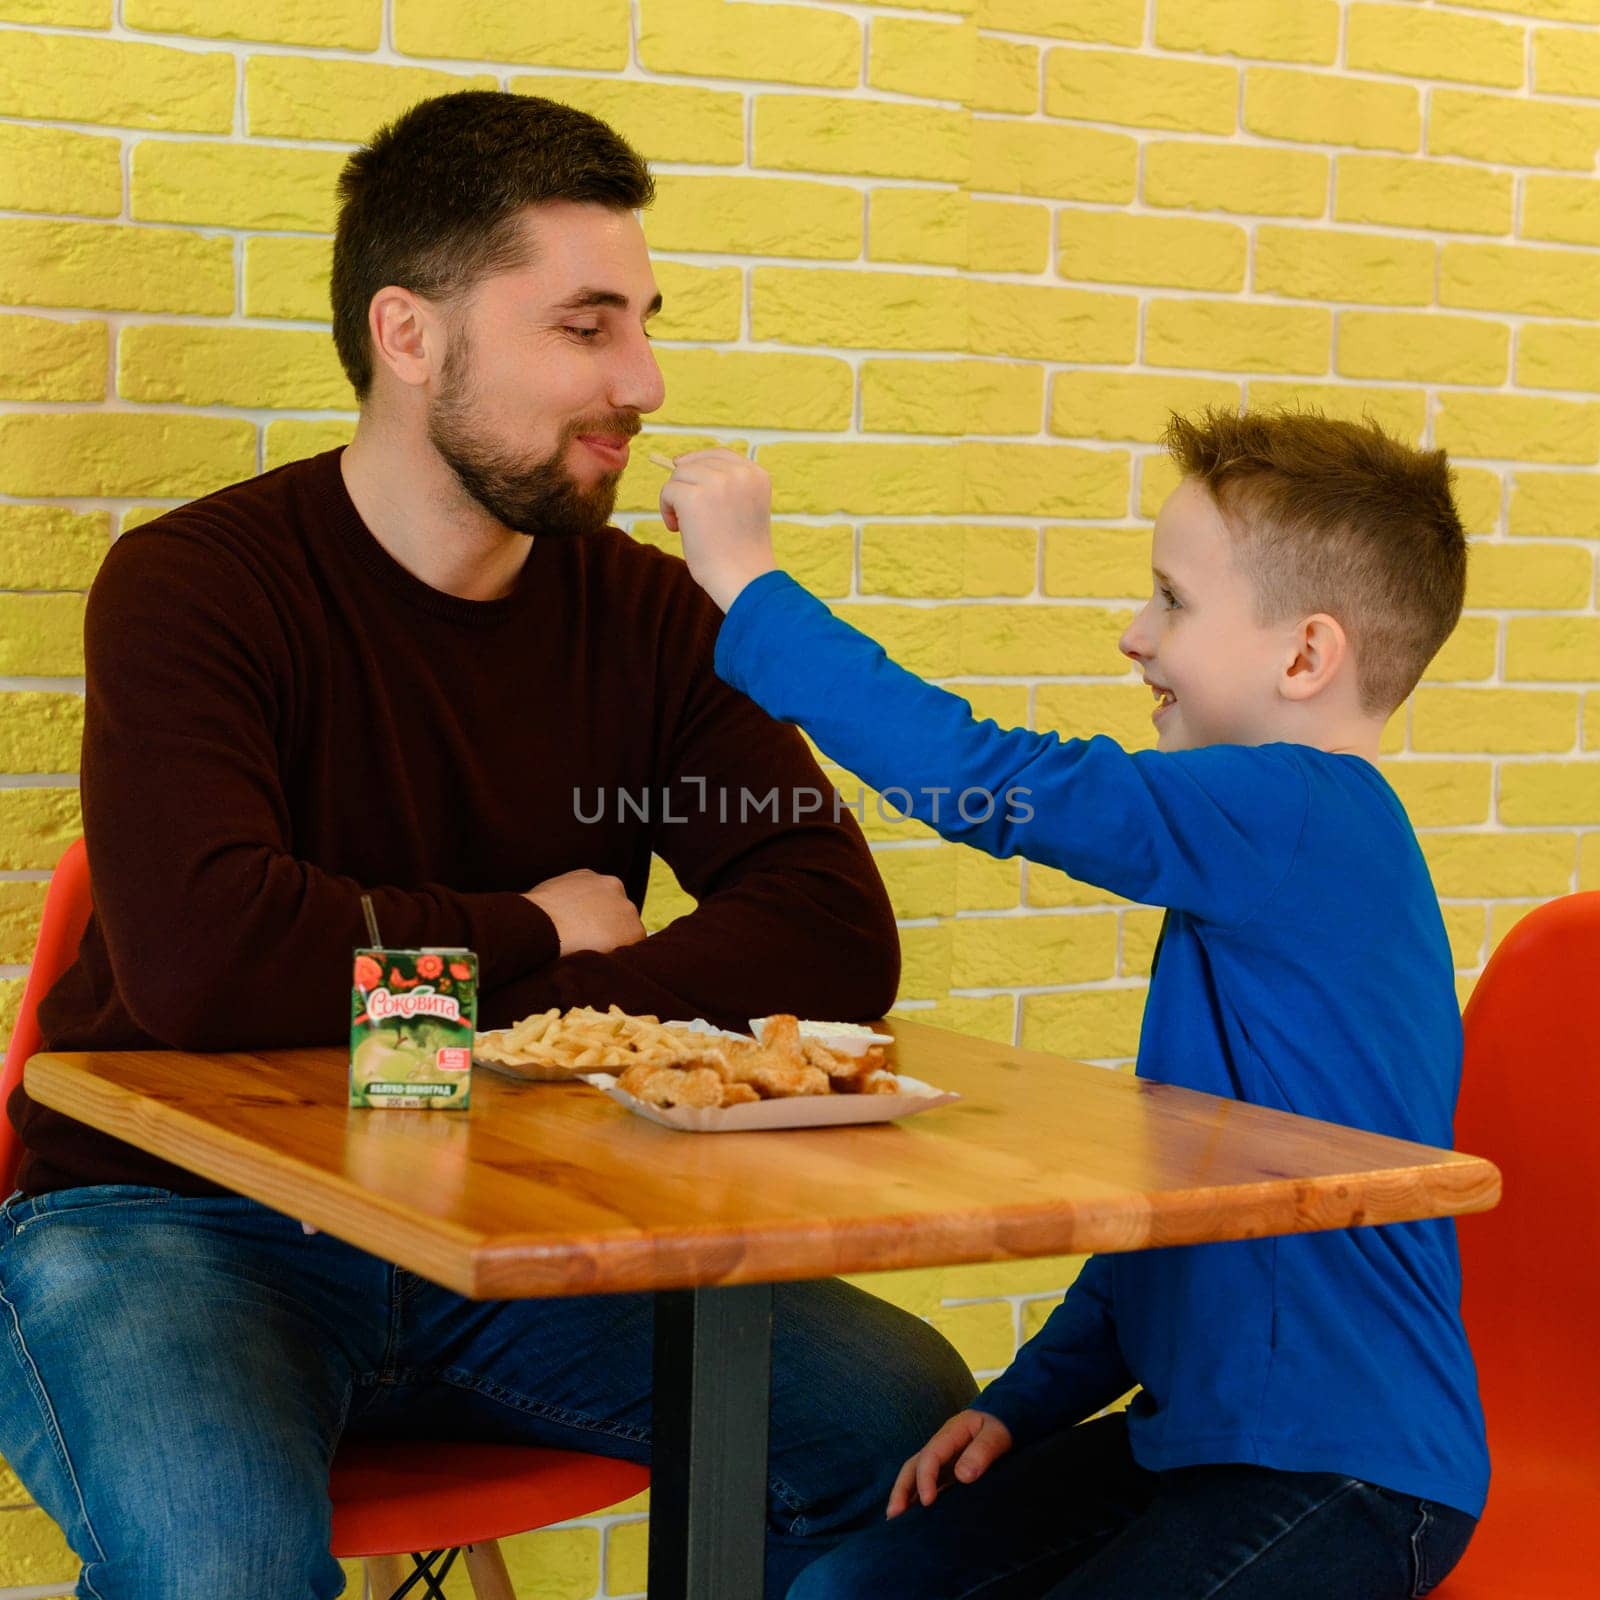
(794, 1111)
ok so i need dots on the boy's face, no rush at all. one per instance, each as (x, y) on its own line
(1197, 639)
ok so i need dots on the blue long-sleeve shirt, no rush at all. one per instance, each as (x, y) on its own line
(1304, 965)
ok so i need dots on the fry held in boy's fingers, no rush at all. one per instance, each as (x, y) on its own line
(661, 459)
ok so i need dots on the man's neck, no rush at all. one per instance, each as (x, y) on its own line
(413, 506)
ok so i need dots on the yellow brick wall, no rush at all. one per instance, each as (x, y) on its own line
(943, 272)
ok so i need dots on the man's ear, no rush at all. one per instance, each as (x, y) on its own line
(1319, 650)
(408, 335)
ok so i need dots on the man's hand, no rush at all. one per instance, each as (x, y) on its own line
(590, 911)
(973, 1440)
(722, 505)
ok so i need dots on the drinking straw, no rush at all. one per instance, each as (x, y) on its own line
(372, 921)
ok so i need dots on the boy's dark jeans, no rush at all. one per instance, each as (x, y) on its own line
(1074, 1517)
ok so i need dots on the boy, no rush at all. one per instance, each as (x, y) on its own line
(1307, 1421)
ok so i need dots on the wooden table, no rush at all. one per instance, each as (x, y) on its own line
(553, 1189)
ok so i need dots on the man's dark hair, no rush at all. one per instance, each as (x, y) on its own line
(434, 202)
(1338, 517)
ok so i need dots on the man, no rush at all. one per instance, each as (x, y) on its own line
(392, 670)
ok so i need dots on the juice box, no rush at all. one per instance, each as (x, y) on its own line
(412, 1016)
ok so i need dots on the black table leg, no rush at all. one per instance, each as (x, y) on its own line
(708, 1472)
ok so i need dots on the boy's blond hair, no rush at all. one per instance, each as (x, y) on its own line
(1338, 517)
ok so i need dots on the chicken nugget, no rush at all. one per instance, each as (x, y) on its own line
(782, 1036)
(738, 1094)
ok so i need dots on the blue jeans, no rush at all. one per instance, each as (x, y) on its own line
(1075, 1517)
(177, 1372)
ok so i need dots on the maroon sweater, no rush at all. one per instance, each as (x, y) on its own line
(280, 717)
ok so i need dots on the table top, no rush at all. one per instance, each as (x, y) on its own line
(556, 1189)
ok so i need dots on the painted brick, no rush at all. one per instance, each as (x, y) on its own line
(990, 1017)
(1121, 711)
(1230, 177)
(1566, 61)
(1042, 480)
(1097, 563)
(1402, 412)
(1315, 264)
(822, 558)
(1318, 108)
(1421, 194)
(41, 635)
(1558, 283)
(102, 266)
(541, 31)
(36, 825)
(945, 561)
(1130, 405)
(563, 1563)
(1041, 640)
(40, 730)
(1051, 324)
(1566, 210)
(922, 639)
(1565, 504)
(755, 216)
(627, 1557)
(1468, 655)
(953, 230)
(664, 898)
(1505, 129)
(921, 881)
(930, 59)
(884, 139)
(1549, 794)
(1158, 477)
(1442, 794)
(1422, 348)
(640, 486)
(663, 122)
(864, 310)
(1494, 721)
(950, 397)
(64, 77)
(1518, 427)
(1046, 886)
(1589, 860)
(1174, 252)
(1140, 930)
(292, 439)
(235, 185)
(1234, 337)
(49, 547)
(1554, 650)
(59, 14)
(1417, 43)
(1558, 355)
(1591, 722)
(754, 390)
(188, 364)
(883, 479)
(336, 24)
(1005, 75)
(1141, 90)
(983, 1334)
(43, 358)
(122, 453)
(51, 169)
(286, 275)
(1500, 865)
(1478, 492)
(1272, 30)
(1040, 158)
(698, 302)
(1086, 1024)
(919, 1290)
(1097, 21)
(1005, 952)
(777, 44)
(293, 97)
(982, 883)
(1463, 927)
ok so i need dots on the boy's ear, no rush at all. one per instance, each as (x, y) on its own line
(1320, 649)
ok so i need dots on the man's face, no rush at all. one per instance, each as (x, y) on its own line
(549, 371)
(1198, 640)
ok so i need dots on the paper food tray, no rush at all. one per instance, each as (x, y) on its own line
(794, 1111)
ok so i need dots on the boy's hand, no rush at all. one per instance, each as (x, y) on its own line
(973, 1440)
(590, 910)
(722, 505)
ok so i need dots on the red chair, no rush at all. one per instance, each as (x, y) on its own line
(436, 1498)
(1532, 1266)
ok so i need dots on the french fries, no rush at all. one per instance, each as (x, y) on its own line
(675, 1066)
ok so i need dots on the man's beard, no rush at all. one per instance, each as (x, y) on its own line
(534, 496)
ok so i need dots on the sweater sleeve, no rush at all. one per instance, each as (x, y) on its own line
(1209, 831)
(219, 935)
(1070, 1369)
(791, 915)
